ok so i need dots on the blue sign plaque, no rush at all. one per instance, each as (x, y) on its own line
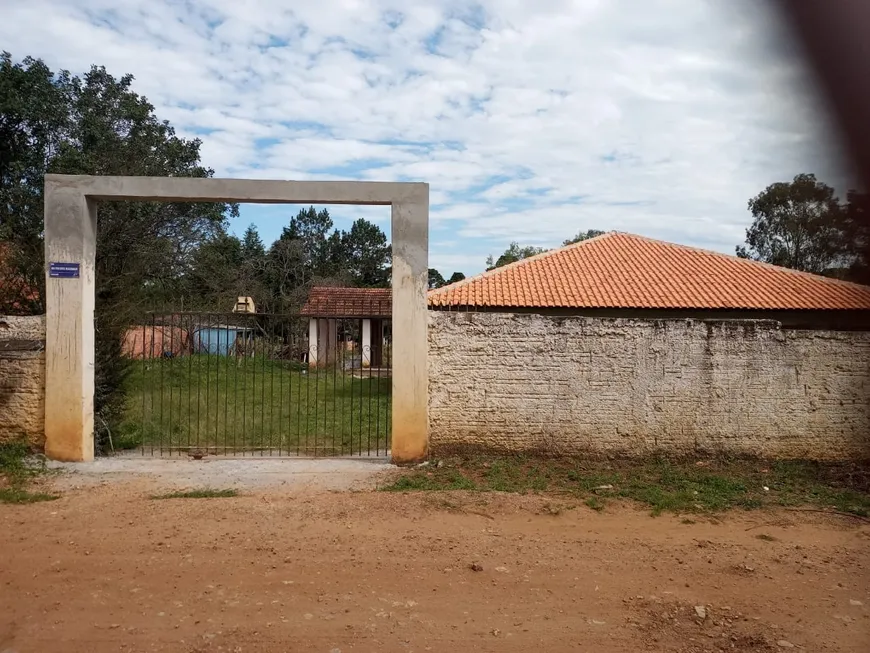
(63, 270)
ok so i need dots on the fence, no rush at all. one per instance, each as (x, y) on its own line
(625, 386)
(259, 384)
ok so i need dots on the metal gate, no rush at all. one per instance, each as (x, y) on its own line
(259, 384)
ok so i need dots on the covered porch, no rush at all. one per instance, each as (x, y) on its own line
(345, 320)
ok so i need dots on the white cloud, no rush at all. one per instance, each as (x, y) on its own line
(530, 120)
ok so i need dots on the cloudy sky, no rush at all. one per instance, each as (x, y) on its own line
(531, 120)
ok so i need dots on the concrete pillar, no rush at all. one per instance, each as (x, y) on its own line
(70, 238)
(312, 343)
(366, 343)
(410, 232)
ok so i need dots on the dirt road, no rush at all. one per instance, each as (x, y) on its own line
(106, 568)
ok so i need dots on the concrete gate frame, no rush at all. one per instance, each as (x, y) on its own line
(71, 203)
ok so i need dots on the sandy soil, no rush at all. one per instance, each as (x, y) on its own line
(105, 568)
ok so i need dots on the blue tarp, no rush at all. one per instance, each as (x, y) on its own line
(216, 340)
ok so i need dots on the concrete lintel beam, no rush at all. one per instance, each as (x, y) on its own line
(254, 191)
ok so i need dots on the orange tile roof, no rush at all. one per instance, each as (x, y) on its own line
(327, 301)
(619, 270)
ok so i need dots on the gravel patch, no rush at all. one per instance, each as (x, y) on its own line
(326, 474)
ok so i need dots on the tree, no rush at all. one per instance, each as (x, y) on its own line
(252, 244)
(435, 279)
(289, 275)
(797, 224)
(304, 251)
(312, 229)
(366, 254)
(97, 125)
(856, 236)
(583, 235)
(253, 273)
(513, 254)
(335, 262)
(310, 252)
(34, 120)
(216, 276)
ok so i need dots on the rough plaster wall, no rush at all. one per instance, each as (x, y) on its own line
(22, 379)
(586, 385)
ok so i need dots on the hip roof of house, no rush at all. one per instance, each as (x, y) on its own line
(620, 270)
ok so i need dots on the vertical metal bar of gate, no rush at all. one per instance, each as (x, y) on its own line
(335, 365)
(244, 361)
(299, 396)
(281, 353)
(362, 368)
(171, 364)
(228, 357)
(145, 425)
(193, 348)
(355, 353)
(378, 407)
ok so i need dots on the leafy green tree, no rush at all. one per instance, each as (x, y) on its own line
(311, 228)
(334, 263)
(856, 236)
(513, 254)
(583, 235)
(216, 273)
(309, 252)
(367, 254)
(435, 279)
(797, 224)
(438, 281)
(289, 275)
(96, 124)
(34, 120)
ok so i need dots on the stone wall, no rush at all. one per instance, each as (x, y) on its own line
(22, 379)
(587, 385)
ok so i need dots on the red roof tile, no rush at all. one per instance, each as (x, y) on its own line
(326, 301)
(618, 270)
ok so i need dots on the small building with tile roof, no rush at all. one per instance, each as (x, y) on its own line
(624, 275)
(328, 301)
(329, 307)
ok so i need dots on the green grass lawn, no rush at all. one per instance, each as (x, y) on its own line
(222, 404)
(662, 484)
